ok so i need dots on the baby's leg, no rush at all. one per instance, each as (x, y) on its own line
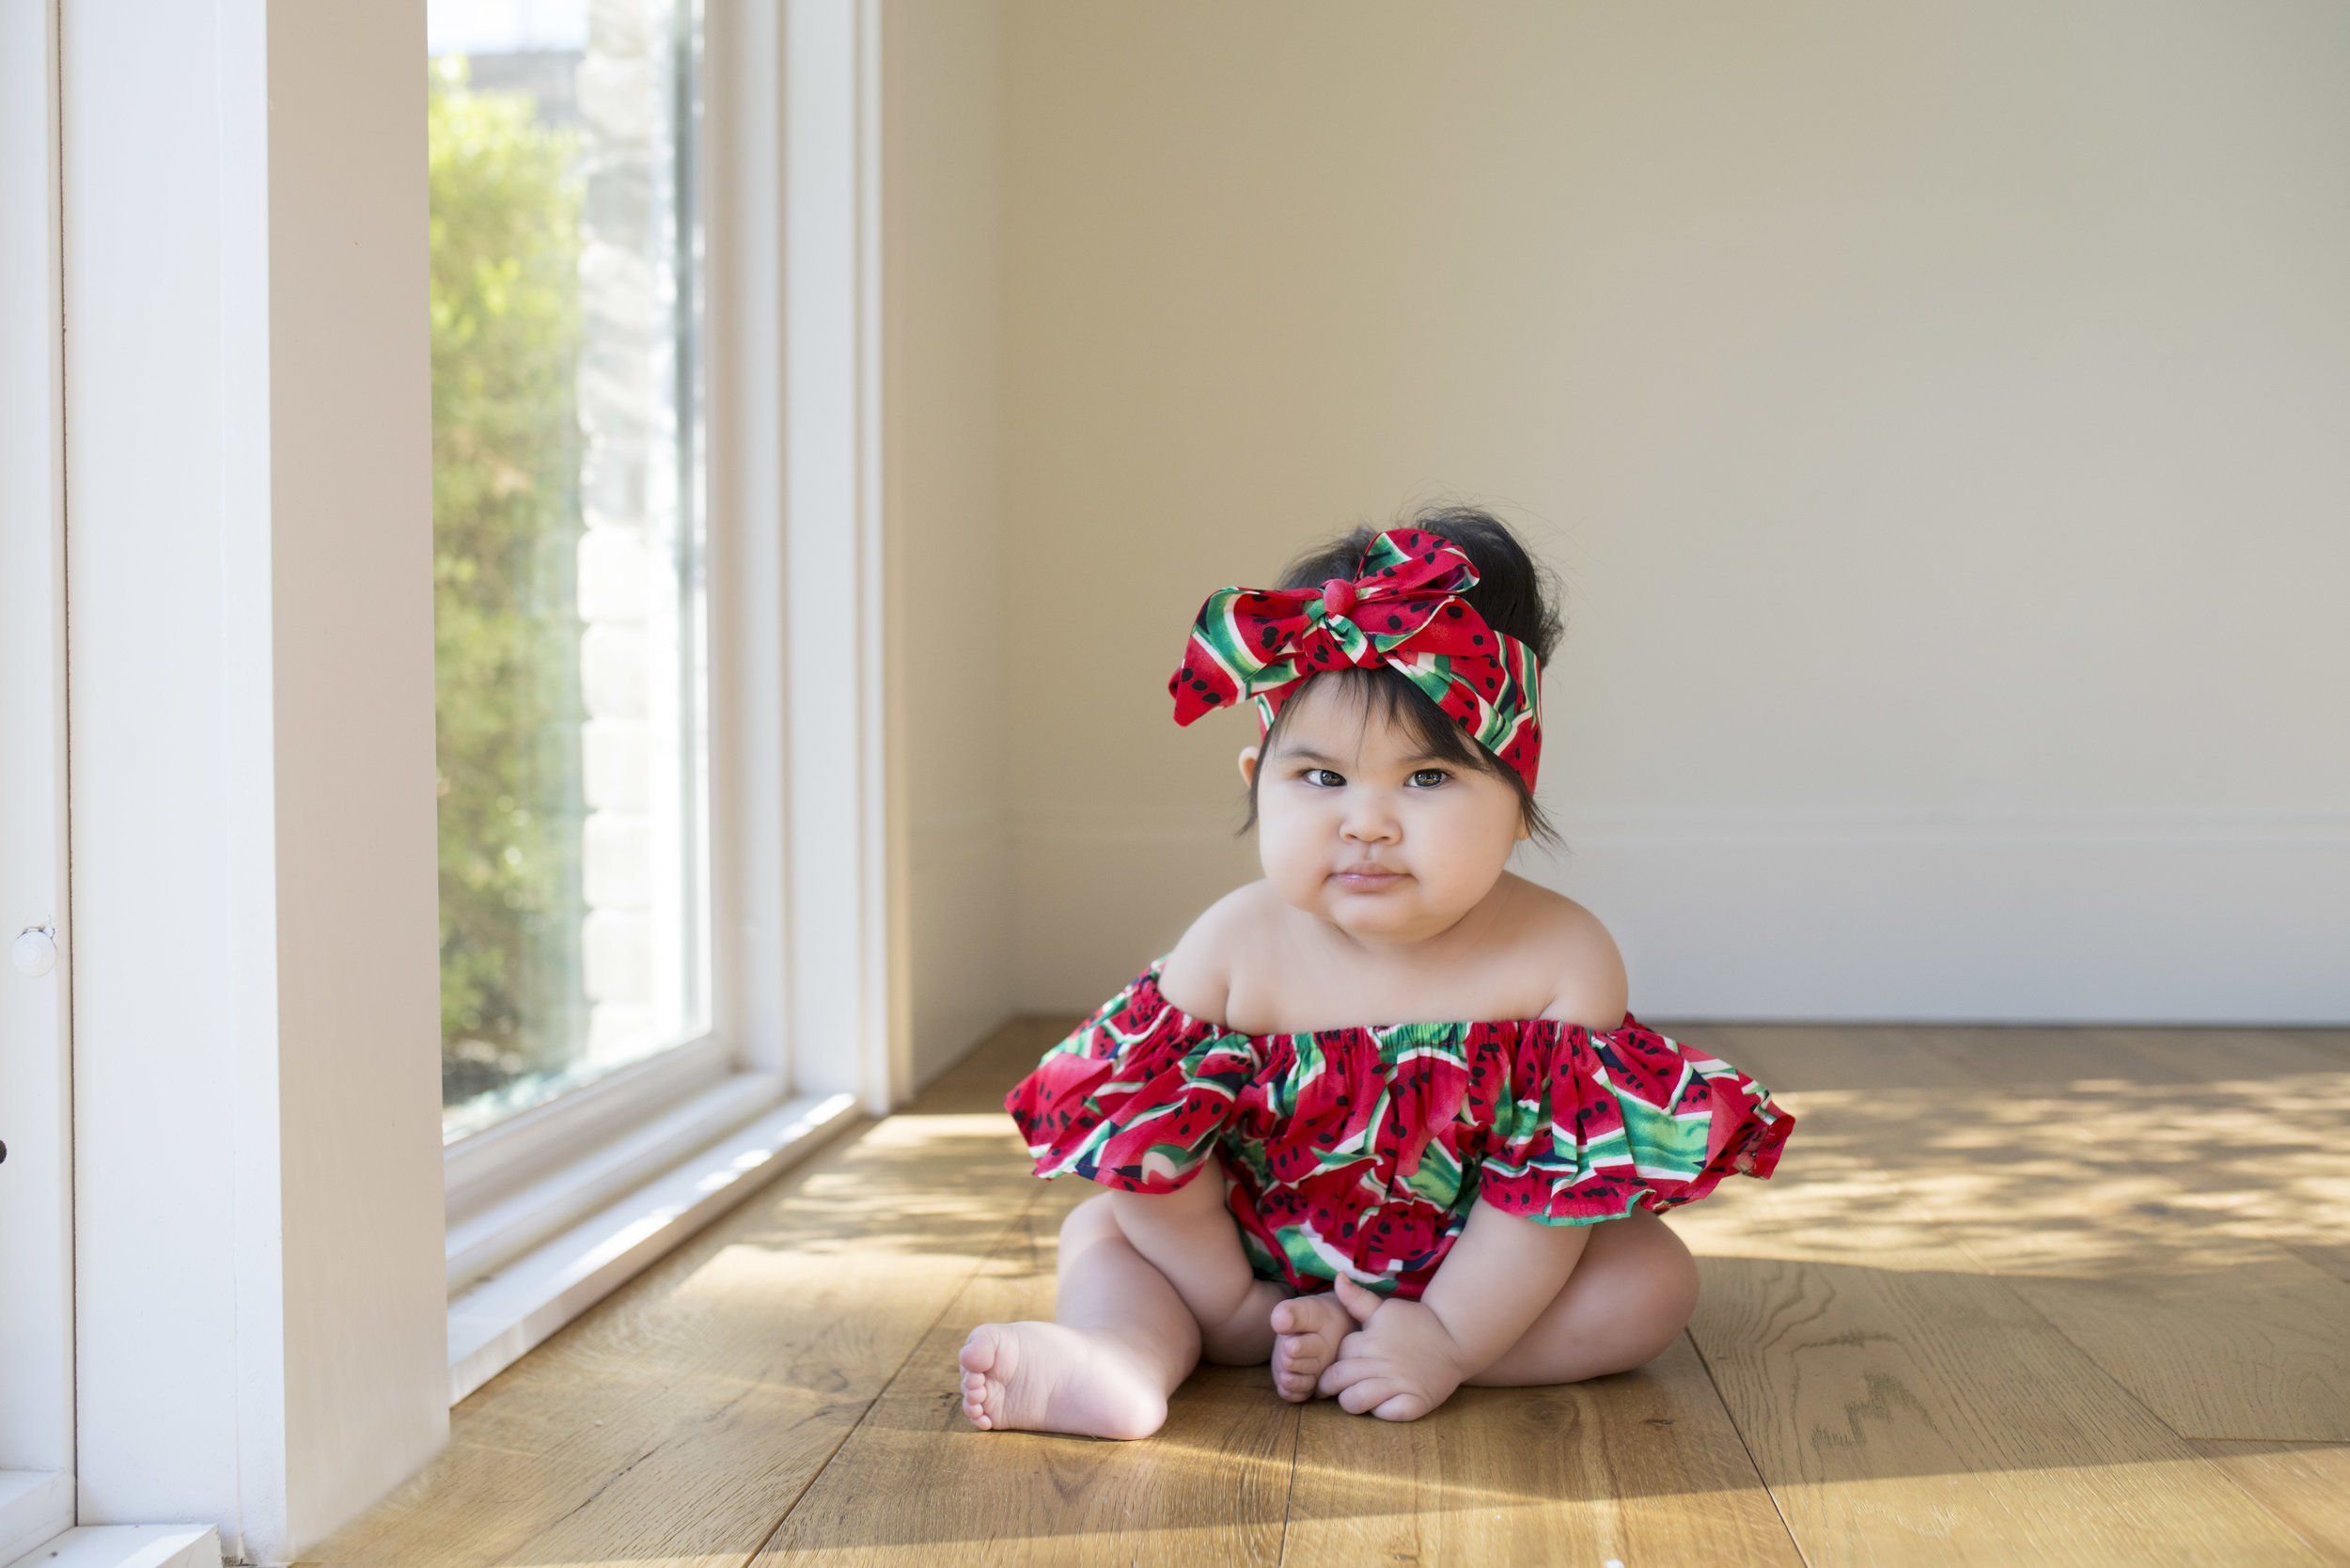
(1189, 1236)
(1121, 1340)
(1631, 1292)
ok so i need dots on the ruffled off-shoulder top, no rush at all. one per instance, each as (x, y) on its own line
(1359, 1152)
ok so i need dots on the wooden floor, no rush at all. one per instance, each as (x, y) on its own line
(2016, 1296)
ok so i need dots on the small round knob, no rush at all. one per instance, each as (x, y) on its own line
(1338, 596)
(35, 952)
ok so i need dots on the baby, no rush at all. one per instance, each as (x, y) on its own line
(1383, 1211)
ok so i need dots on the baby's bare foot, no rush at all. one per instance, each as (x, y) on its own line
(1306, 1332)
(1042, 1377)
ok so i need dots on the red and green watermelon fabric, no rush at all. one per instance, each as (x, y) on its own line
(1359, 1152)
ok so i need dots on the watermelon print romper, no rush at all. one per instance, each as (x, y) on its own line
(1360, 1151)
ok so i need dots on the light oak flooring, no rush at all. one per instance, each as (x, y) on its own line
(2016, 1296)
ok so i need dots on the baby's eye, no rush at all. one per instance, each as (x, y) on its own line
(1324, 779)
(1428, 778)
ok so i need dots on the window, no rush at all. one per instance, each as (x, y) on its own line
(570, 619)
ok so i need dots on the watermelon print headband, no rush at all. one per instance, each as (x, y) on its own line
(1405, 612)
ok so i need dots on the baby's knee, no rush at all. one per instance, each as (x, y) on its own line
(1665, 1280)
(1091, 1221)
(1646, 1278)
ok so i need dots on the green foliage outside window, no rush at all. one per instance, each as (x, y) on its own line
(505, 244)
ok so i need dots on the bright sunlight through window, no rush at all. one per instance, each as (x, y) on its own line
(567, 544)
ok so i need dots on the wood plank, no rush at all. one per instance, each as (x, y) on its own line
(2306, 1487)
(917, 1484)
(679, 1420)
(1640, 1467)
(2243, 1125)
(2093, 1200)
(1870, 1318)
(1905, 1406)
(978, 1083)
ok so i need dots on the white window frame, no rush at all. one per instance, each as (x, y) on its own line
(260, 1306)
(809, 1007)
(526, 1156)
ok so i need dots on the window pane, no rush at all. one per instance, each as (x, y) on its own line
(567, 544)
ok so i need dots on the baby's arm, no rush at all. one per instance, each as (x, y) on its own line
(1409, 1356)
(1189, 1236)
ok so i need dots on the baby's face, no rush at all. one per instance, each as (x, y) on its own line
(1357, 824)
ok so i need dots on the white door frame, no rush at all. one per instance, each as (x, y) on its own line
(35, 1121)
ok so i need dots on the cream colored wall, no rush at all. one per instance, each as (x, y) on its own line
(940, 376)
(1936, 413)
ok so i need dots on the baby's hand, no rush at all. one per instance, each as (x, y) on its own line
(1400, 1365)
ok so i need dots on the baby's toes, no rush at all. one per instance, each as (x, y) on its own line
(1298, 1360)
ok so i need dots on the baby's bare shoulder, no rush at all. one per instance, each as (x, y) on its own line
(1576, 956)
(1197, 975)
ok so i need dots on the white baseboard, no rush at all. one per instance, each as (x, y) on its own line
(491, 1325)
(2168, 917)
(127, 1547)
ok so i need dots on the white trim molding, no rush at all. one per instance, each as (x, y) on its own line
(808, 943)
(847, 988)
(260, 1320)
(36, 1181)
(485, 1169)
(506, 1220)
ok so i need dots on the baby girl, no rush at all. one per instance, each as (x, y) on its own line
(1383, 1211)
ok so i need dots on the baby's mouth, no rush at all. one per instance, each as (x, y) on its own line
(1366, 877)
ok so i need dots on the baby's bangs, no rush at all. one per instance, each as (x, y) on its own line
(1384, 696)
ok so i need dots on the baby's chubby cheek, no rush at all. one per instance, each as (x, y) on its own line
(1297, 863)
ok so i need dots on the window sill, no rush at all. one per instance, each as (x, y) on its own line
(484, 1168)
(492, 1324)
(485, 1241)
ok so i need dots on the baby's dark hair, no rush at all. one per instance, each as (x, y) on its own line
(1514, 595)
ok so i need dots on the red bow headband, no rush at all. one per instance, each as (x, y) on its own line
(1404, 612)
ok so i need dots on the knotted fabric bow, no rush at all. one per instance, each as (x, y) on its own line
(1404, 612)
